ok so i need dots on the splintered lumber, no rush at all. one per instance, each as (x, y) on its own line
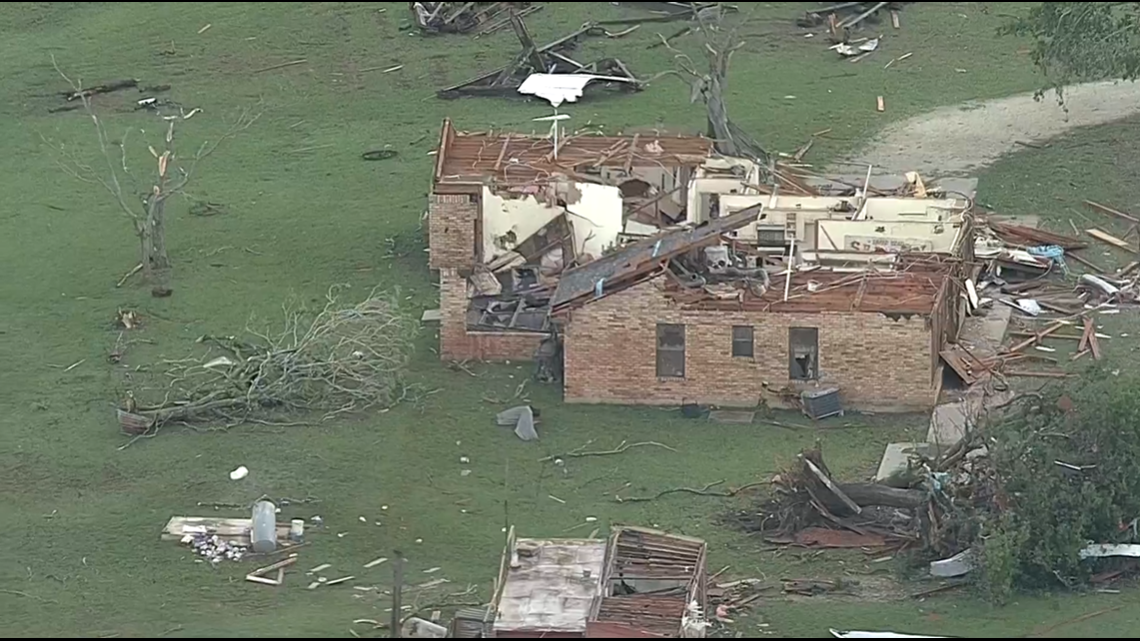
(833, 487)
(880, 104)
(372, 564)
(340, 580)
(276, 566)
(1037, 337)
(1104, 209)
(1090, 333)
(1109, 239)
(260, 579)
(1022, 235)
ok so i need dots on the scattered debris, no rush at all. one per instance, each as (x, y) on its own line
(548, 62)
(240, 473)
(128, 319)
(464, 17)
(371, 564)
(380, 154)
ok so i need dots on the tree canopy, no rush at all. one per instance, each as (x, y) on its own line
(1082, 41)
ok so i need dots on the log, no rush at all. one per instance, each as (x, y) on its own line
(874, 494)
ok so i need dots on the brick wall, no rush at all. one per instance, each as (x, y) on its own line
(451, 230)
(610, 354)
(456, 343)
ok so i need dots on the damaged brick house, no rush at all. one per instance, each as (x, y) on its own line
(493, 192)
(667, 279)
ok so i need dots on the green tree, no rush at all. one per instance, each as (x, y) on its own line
(1082, 41)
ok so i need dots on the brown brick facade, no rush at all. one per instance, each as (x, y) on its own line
(610, 354)
(452, 231)
(456, 343)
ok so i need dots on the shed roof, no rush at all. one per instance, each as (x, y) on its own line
(554, 586)
(513, 158)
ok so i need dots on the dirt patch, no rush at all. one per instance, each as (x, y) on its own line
(953, 141)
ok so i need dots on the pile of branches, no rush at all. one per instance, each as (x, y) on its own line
(806, 496)
(459, 17)
(1038, 479)
(342, 359)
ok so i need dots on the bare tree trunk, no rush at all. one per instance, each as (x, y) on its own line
(159, 259)
(145, 250)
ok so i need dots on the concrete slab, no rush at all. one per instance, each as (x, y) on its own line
(896, 459)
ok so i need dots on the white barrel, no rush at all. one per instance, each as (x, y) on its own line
(263, 534)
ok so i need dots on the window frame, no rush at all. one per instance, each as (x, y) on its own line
(797, 336)
(749, 340)
(665, 351)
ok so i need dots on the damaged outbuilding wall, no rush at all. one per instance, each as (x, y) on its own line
(595, 215)
(879, 363)
(457, 343)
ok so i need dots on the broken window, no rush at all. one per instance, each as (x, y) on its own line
(670, 351)
(742, 341)
(803, 353)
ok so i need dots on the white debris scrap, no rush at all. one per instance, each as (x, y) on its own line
(853, 634)
(213, 548)
(240, 473)
(957, 565)
(1102, 550)
(557, 88)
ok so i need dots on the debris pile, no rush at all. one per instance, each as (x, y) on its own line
(214, 548)
(465, 17)
(552, 63)
(842, 19)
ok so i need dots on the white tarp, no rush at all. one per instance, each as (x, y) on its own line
(557, 88)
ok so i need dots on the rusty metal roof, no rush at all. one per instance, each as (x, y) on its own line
(513, 158)
(638, 555)
(911, 288)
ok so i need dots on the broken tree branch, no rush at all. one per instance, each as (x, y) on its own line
(624, 447)
(704, 491)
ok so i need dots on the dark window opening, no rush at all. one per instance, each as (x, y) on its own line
(670, 351)
(742, 345)
(803, 353)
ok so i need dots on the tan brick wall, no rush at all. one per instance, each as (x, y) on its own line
(456, 343)
(451, 230)
(610, 352)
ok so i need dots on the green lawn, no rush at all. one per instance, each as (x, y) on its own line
(81, 518)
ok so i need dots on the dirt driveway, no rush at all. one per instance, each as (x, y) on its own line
(955, 141)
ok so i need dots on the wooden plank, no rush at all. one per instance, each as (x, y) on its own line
(1104, 209)
(276, 566)
(1038, 374)
(232, 530)
(1109, 239)
(833, 487)
(1093, 345)
(895, 19)
(1037, 337)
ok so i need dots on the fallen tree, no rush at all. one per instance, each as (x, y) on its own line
(342, 359)
(1027, 490)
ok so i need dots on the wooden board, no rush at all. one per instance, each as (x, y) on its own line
(1104, 209)
(1109, 239)
(966, 367)
(235, 531)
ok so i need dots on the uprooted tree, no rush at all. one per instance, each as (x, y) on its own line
(144, 201)
(1082, 41)
(1029, 488)
(338, 360)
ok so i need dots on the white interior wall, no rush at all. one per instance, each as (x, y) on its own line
(596, 219)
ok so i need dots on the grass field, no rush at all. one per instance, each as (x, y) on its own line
(81, 555)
